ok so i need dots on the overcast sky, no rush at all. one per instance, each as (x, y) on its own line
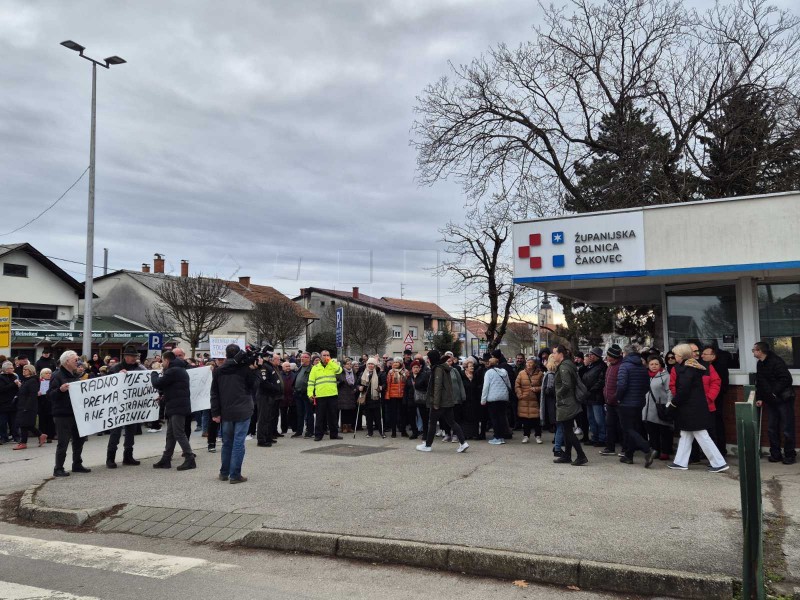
(241, 136)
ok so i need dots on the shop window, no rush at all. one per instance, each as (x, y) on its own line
(779, 320)
(34, 311)
(397, 332)
(704, 316)
(13, 270)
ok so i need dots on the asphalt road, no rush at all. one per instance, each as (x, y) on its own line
(45, 564)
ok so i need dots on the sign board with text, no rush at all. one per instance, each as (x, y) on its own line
(340, 327)
(5, 326)
(217, 344)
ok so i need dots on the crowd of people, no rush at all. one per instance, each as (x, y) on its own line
(621, 401)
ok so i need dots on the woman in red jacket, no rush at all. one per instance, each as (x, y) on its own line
(395, 391)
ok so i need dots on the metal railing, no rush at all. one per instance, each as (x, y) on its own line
(748, 440)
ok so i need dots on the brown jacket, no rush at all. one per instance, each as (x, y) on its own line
(527, 388)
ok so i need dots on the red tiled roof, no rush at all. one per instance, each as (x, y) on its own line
(264, 293)
(387, 304)
(430, 307)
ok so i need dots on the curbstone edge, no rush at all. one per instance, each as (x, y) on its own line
(417, 554)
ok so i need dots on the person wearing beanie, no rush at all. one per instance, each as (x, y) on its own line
(613, 424)
(594, 378)
(440, 400)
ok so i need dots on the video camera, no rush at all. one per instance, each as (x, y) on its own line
(251, 354)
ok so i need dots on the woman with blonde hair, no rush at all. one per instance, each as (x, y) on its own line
(692, 416)
(528, 385)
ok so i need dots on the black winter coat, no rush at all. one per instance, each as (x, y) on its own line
(348, 394)
(594, 378)
(232, 387)
(28, 402)
(773, 380)
(59, 401)
(173, 384)
(690, 399)
(8, 391)
(633, 382)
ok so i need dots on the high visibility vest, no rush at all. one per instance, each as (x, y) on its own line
(322, 380)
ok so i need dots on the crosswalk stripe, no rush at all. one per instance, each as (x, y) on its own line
(132, 562)
(15, 591)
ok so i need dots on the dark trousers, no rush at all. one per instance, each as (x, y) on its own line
(780, 420)
(24, 431)
(527, 424)
(613, 427)
(660, 437)
(176, 432)
(582, 421)
(251, 430)
(304, 412)
(213, 430)
(5, 421)
(348, 417)
(571, 440)
(444, 415)
(263, 429)
(410, 419)
(284, 411)
(46, 423)
(374, 420)
(391, 414)
(327, 409)
(633, 440)
(498, 414)
(67, 430)
(424, 413)
(116, 433)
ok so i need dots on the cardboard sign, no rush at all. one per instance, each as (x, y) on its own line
(217, 344)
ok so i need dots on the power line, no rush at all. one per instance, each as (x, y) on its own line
(46, 209)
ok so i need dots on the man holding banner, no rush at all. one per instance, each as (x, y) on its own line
(174, 387)
(129, 363)
(64, 417)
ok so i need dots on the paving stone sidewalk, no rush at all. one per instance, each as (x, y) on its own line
(182, 524)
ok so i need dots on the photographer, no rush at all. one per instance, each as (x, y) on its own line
(232, 406)
(173, 384)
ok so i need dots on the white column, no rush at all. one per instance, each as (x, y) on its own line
(747, 314)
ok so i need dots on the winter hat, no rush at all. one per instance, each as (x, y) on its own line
(597, 352)
(486, 356)
(448, 353)
(372, 361)
(434, 357)
(614, 351)
(416, 363)
(130, 351)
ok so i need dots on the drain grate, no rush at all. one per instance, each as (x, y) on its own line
(347, 450)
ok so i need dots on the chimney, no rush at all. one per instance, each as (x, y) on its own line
(145, 268)
(245, 281)
(158, 263)
(184, 268)
(355, 293)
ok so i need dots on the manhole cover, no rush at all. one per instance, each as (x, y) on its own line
(347, 450)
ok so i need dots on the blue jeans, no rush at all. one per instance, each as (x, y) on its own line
(233, 434)
(305, 413)
(206, 417)
(559, 445)
(597, 422)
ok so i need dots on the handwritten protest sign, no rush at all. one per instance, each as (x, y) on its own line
(113, 401)
(128, 398)
(217, 344)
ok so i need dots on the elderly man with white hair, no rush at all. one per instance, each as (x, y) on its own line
(66, 427)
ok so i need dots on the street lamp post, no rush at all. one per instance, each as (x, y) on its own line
(88, 284)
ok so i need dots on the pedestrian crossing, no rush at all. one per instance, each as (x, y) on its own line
(16, 591)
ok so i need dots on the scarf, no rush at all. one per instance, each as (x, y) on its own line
(349, 377)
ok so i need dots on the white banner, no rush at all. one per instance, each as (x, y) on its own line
(127, 398)
(217, 344)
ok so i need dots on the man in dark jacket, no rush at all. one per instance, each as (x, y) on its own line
(232, 406)
(130, 362)
(303, 409)
(64, 417)
(613, 426)
(774, 387)
(594, 378)
(173, 383)
(46, 361)
(268, 396)
(9, 386)
(633, 383)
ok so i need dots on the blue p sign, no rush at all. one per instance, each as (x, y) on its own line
(155, 341)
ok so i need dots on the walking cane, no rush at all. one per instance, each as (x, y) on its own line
(760, 415)
(358, 411)
(382, 427)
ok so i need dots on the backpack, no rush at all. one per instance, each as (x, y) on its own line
(581, 391)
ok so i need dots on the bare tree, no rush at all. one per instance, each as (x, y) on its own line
(479, 260)
(275, 322)
(517, 119)
(191, 307)
(365, 330)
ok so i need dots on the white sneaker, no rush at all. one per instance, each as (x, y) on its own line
(249, 437)
(462, 447)
(525, 439)
(424, 448)
(440, 433)
(153, 430)
(578, 431)
(538, 439)
(447, 438)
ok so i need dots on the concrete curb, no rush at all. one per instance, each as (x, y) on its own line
(30, 511)
(585, 574)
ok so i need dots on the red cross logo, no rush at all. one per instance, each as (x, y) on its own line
(535, 239)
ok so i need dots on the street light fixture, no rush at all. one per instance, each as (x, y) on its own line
(88, 285)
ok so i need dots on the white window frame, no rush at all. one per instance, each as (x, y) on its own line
(414, 331)
(397, 332)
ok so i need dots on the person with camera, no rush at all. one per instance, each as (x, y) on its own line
(173, 383)
(323, 390)
(232, 407)
(130, 362)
